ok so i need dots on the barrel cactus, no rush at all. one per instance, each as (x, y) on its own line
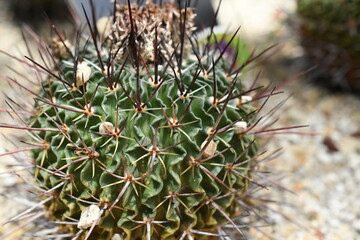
(142, 132)
(330, 34)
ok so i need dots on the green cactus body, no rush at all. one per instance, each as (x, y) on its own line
(336, 22)
(147, 149)
(330, 31)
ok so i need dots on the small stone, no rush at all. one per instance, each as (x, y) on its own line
(117, 237)
(89, 216)
(356, 224)
(210, 148)
(245, 99)
(106, 127)
(356, 134)
(240, 127)
(312, 215)
(330, 144)
(83, 73)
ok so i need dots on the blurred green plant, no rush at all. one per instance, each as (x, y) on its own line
(330, 33)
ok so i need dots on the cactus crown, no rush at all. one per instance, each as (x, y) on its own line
(145, 134)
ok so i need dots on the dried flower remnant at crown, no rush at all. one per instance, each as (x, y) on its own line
(150, 21)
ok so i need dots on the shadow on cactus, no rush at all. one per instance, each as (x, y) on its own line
(142, 132)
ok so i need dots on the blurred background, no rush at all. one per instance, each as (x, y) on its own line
(321, 171)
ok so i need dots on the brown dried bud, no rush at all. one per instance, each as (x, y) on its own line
(166, 19)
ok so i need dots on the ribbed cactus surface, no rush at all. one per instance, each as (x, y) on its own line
(144, 134)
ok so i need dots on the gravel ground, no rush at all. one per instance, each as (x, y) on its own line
(10, 37)
(323, 171)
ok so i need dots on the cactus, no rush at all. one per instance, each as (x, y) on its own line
(330, 32)
(141, 132)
